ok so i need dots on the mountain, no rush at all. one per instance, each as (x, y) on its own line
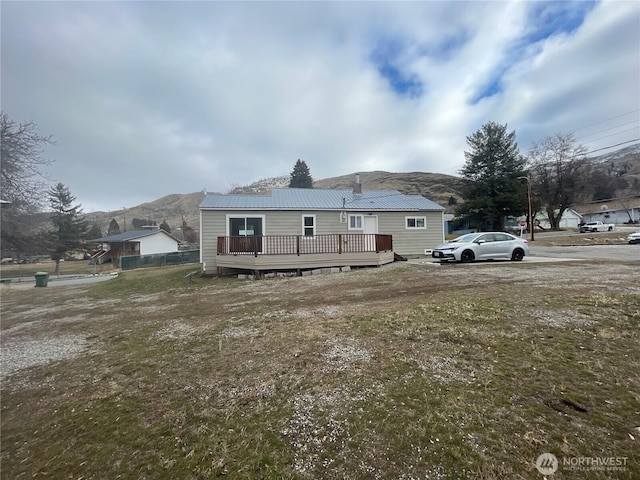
(622, 164)
(625, 154)
(170, 208)
(173, 208)
(621, 169)
(264, 185)
(435, 186)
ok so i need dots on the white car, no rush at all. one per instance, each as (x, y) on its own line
(634, 237)
(482, 246)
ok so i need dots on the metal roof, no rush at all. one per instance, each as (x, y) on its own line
(318, 199)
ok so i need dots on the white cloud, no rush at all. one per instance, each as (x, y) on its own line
(151, 98)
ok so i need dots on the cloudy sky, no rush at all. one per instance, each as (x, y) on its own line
(150, 98)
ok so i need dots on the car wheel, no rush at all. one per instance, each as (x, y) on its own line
(467, 256)
(517, 255)
(610, 228)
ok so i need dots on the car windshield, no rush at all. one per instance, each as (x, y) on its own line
(470, 237)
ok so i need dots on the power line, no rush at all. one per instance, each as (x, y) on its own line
(584, 154)
(614, 134)
(612, 146)
(456, 170)
(607, 119)
(610, 128)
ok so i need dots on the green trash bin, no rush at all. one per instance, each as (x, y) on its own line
(42, 279)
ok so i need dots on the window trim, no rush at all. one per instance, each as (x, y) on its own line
(245, 216)
(415, 218)
(304, 227)
(355, 215)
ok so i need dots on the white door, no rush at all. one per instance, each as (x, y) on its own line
(370, 226)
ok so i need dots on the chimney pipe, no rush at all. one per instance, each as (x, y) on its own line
(357, 187)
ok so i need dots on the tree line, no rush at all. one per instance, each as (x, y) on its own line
(494, 186)
(26, 194)
(496, 178)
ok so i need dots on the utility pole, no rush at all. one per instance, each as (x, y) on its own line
(531, 220)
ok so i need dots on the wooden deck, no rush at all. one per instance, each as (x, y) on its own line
(298, 252)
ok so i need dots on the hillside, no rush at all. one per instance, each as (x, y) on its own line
(434, 186)
(623, 164)
(171, 208)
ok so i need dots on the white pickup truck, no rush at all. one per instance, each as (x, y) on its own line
(596, 227)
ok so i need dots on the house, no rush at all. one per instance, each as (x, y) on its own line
(300, 228)
(570, 219)
(136, 242)
(616, 210)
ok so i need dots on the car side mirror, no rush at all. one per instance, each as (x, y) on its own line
(480, 242)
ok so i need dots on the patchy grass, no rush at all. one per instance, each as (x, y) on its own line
(406, 371)
(598, 238)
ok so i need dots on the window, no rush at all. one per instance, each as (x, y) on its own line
(245, 233)
(502, 237)
(308, 225)
(245, 226)
(355, 222)
(486, 238)
(416, 222)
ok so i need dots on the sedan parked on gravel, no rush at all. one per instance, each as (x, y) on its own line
(634, 237)
(482, 246)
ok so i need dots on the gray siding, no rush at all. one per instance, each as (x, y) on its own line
(405, 241)
(212, 225)
(290, 222)
(412, 241)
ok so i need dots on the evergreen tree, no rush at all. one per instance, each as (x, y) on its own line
(138, 223)
(300, 176)
(190, 235)
(165, 226)
(114, 228)
(69, 230)
(95, 232)
(491, 188)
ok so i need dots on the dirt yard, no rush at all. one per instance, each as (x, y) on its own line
(409, 371)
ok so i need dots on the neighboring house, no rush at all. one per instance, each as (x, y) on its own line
(136, 242)
(310, 228)
(570, 219)
(619, 210)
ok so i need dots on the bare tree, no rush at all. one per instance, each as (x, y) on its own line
(22, 181)
(627, 206)
(559, 174)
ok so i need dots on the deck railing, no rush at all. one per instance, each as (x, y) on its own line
(302, 245)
